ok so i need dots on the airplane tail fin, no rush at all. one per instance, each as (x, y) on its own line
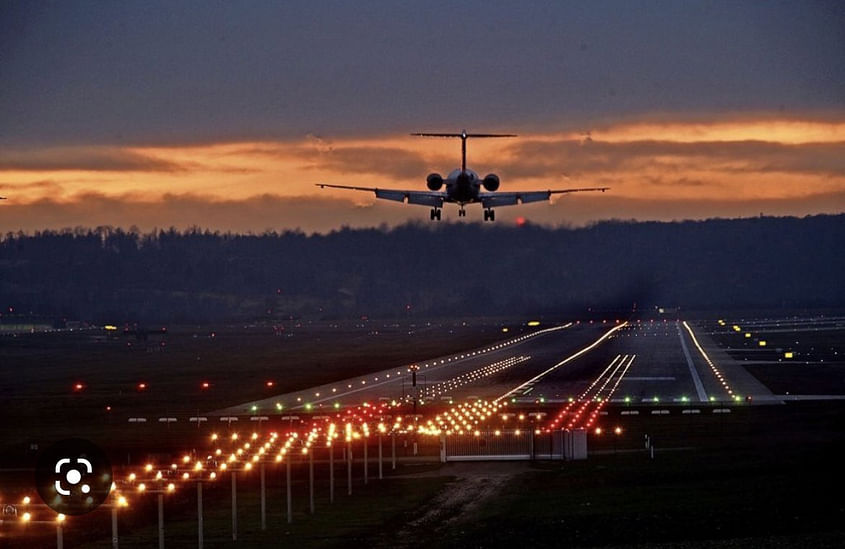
(464, 136)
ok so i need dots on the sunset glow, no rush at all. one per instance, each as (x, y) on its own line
(723, 161)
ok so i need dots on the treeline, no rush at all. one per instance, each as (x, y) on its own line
(114, 275)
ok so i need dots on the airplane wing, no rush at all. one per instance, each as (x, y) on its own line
(498, 199)
(423, 198)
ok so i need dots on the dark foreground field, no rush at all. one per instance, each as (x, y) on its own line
(768, 477)
(38, 373)
(765, 476)
(761, 476)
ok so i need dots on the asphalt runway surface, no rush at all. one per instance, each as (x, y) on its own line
(640, 362)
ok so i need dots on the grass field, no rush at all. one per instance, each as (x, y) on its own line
(38, 373)
(767, 477)
(761, 476)
(808, 361)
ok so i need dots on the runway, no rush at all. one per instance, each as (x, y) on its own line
(639, 362)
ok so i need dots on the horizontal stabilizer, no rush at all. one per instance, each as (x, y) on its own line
(464, 135)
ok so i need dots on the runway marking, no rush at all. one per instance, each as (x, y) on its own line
(436, 364)
(713, 367)
(437, 388)
(699, 387)
(586, 400)
(539, 376)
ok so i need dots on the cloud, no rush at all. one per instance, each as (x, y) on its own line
(576, 157)
(83, 158)
(316, 214)
(270, 184)
(45, 186)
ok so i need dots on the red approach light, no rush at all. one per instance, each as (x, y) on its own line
(270, 384)
(108, 408)
(142, 386)
(205, 385)
(78, 387)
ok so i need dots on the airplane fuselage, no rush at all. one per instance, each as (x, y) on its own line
(462, 187)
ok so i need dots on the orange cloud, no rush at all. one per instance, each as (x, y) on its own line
(686, 165)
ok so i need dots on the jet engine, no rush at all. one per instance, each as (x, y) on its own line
(491, 182)
(434, 181)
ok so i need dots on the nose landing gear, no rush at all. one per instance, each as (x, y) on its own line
(462, 212)
(489, 215)
(435, 214)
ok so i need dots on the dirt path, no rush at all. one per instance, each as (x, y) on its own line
(474, 485)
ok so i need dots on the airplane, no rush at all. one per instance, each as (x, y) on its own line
(463, 186)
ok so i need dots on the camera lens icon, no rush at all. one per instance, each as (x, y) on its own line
(73, 476)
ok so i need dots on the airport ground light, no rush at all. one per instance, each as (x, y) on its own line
(235, 453)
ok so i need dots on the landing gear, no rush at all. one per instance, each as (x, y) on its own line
(489, 215)
(462, 212)
(435, 214)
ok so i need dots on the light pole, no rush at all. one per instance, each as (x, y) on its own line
(366, 461)
(349, 466)
(331, 472)
(169, 489)
(310, 480)
(234, 475)
(162, 487)
(287, 489)
(199, 514)
(380, 465)
(60, 518)
(26, 519)
(414, 368)
(263, 498)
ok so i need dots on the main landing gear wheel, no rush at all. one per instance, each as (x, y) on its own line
(435, 214)
(489, 215)
(462, 213)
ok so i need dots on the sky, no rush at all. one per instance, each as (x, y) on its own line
(224, 115)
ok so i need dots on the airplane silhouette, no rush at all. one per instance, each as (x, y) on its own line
(463, 186)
